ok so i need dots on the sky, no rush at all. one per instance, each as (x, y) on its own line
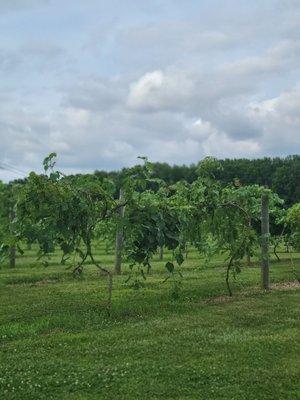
(103, 82)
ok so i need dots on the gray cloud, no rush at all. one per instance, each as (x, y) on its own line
(37, 57)
(96, 94)
(179, 88)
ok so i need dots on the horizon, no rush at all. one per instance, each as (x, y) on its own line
(92, 172)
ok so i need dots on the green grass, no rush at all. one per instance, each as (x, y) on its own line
(58, 343)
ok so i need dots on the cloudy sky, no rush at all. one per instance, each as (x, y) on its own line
(103, 82)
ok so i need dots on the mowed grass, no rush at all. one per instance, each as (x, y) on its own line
(57, 341)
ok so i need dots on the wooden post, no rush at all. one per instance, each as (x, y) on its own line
(12, 257)
(161, 253)
(248, 259)
(248, 255)
(265, 241)
(119, 238)
(12, 249)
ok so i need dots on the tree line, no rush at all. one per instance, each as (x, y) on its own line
(281, 175)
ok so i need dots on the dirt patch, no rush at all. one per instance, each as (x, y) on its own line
(44, 282)
(220, 299)
(293, 285)
(54, 331)
(30, 281)
(285, 285)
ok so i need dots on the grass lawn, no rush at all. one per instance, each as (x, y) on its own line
(58, 343)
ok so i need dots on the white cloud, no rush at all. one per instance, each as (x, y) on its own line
(280, 122)
(77, 116)
(162, 91)
(143, 92)
(219, 144)
(202, 129)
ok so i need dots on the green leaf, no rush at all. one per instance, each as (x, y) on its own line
(20, 250)
(179, 258)
(170, 266)
(49, 161)
(80, 252)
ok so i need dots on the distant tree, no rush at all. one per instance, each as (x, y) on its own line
(8, 199)
(293, 221)
(286, 180)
